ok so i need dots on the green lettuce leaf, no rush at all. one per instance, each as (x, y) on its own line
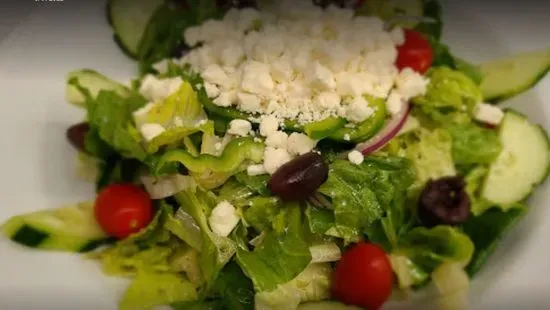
(472, 144)
(261, 211)
(487, 230)
(428, 248)
(257, 183)
(153, 289)
(474, 180)
(234, 288)
(282, 254)
(216, 251)
(110, 116)
(312, 284)
(450, 97)
(407, 272)
(430, 153)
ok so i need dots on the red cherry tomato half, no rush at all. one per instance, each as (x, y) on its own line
(363, 277)
(416, 53)
(123, 209)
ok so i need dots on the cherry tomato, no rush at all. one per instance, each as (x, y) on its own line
(363, 277)
(415, 53)
(123, 209)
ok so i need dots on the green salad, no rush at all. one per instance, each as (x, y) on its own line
(276, 155)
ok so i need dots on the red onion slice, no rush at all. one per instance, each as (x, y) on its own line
(390, 130)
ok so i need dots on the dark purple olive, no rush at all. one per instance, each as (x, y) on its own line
(299, 178)
(77, 135)
(444, 201)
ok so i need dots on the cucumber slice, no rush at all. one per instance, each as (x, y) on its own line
(70, 229)
(94, 82)
(523, 163)
(507, 77)
(129, 20)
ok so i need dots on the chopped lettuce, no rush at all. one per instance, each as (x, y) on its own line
(472, 144)
(153, 289)
(487, 230)
(474, 180)
(216, 251)
(408, 273)
(261, 211)
(430, 153)
(87, 167)
(186, 259)
(451, 96)
(234, 288)
(453, 285)
(110, 115)
(282, 254)
(184, 226)
(428, 248)
(312, 284)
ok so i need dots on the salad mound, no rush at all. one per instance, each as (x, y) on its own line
(276, 156)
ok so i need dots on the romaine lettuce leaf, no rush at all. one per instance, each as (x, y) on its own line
(216, 251)
(451, 96)
(282, 254)
(474, 180)
(472, 144)
(234, 288)
(110, 115)
(261, 211)
(430, 153)
(487, 230)
(153, 289)
(407, 272)
(312, 284)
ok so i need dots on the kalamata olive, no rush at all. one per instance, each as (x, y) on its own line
(444, 201)
(299, 178)
(77, 135)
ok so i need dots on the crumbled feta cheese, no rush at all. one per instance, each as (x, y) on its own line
(253, 170)
(277, 139)
(143, 111)
(395, 103)
(303, 64)
(155, 89)
(161, 66)
(257, 78)
(268, 125)
(248, 102)
(226, 99)
(359, 110)
(214, 74)
(488, 113)
(239, 127)
(410, 83)
(274, 158)
(212, 91)
(298, 143)
(149, 131)
(321, 77)
(356, 157)
(347, 137)
(223, 219)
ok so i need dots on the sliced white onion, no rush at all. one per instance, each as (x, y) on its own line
(166, 186)
(390, 130)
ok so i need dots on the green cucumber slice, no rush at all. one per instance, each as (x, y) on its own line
(523, 163)
(69, 229)
(129, 20)
(507, 77)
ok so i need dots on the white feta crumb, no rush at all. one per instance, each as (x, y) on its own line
(226, 99)
(347, 137)
(274, 158)
(395, 103)
(321, 77)
(212, 91)
(356, 157)
(214, 74)
(268, 125)
(232, 54)
(143, 111)
(397, 35)
(277, 139)
(223, 219)
(410, 83)
(488, 113)
(328, 100)
(257, 79)
(253, 170)
(161, 66)
(192, 35)
(239, 127)
(298, 143)
(359, 110)
(149, 131)
(248, 102)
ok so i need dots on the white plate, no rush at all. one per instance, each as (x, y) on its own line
(38, 164)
